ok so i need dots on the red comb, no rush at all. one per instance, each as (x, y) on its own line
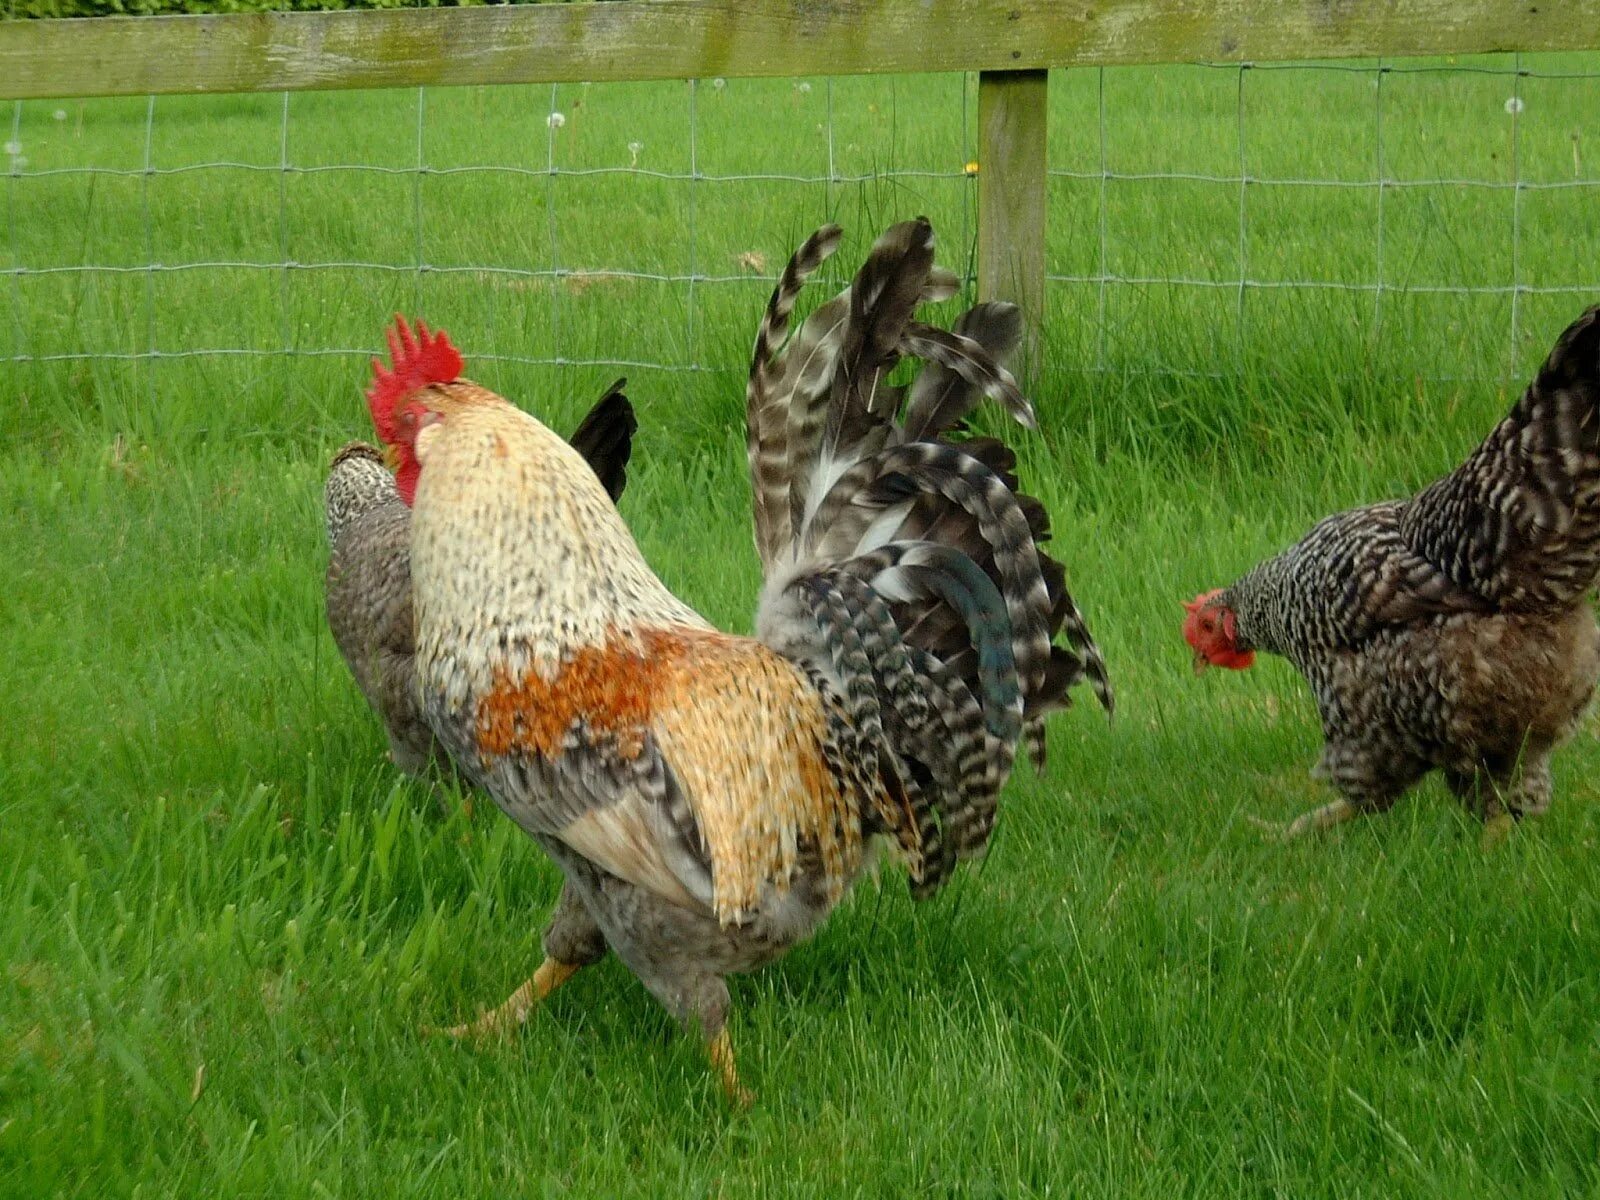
(419, 359)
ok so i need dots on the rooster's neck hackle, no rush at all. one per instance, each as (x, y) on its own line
(521, 559)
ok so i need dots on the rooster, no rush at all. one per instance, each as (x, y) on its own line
(368, 584)
(1452, 630)
(710, 798)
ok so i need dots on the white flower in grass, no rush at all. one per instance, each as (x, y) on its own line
(634, 149)
(60, 114)
(1514, 105)
(555, 120)
(13, 148)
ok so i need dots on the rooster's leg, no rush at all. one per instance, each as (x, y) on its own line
(571, 941)
(720, 1048)
(552, 973)
(698, 998)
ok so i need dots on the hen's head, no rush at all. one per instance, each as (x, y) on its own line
(422, 385)
(1212, 629)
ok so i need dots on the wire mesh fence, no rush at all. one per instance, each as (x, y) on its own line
(1205, 220)
(1408, 196)
(536, 211)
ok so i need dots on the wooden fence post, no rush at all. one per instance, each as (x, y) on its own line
(1012, 199)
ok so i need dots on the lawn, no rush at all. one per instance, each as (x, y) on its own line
(224, 916)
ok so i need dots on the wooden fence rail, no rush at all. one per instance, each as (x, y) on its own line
(1011, 43)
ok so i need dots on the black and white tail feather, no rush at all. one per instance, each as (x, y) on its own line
(902, 563)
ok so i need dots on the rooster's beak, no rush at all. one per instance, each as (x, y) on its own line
(1201, 662)
(391, 457)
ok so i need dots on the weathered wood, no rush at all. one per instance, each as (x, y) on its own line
(680, 39)
(1012, 195)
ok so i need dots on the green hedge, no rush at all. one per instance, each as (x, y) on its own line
(104, 8)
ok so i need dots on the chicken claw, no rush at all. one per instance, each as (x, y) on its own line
(1496, 829)
(550, 975)
(720, 1048)
(1335, 812)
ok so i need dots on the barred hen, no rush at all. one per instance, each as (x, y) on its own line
(1452, 630)
(710, 798)
(368, 584)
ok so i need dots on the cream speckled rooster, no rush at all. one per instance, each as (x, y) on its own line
(709, 797)
(368, 583)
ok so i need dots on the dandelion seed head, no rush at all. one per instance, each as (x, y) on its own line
(60, 114)
(719, 83)
(555, 120)
(13, 148)
(803, 87)
(1514, 105)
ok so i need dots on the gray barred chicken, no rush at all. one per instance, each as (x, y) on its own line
(368, 584)
(710, 798)
(1452, 630)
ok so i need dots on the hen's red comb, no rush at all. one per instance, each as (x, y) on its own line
(419, 359)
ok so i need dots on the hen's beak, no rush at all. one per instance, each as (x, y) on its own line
(391, 457)
(1201, 662)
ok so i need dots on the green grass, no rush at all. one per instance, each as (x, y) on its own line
(209, 873)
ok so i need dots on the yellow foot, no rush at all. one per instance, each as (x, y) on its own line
(721, 1050)
(1496, 829)
(550, 975)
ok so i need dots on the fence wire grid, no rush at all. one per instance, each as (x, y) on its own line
(1204, 220)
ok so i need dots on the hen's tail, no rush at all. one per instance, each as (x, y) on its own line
(901, 560)
(1519, 522)
(605, 438)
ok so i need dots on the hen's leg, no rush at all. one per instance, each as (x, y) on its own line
(1335, 812)
(1528, 794)
(1369, 779)
(1521, 791)
(1464, 785)
(571, 942)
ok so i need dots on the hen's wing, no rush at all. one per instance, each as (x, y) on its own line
(1518, 523)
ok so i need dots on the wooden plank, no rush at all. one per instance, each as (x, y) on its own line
(1012, 196)
(681, 39)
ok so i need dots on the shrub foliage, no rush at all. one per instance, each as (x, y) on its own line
(105, 8)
